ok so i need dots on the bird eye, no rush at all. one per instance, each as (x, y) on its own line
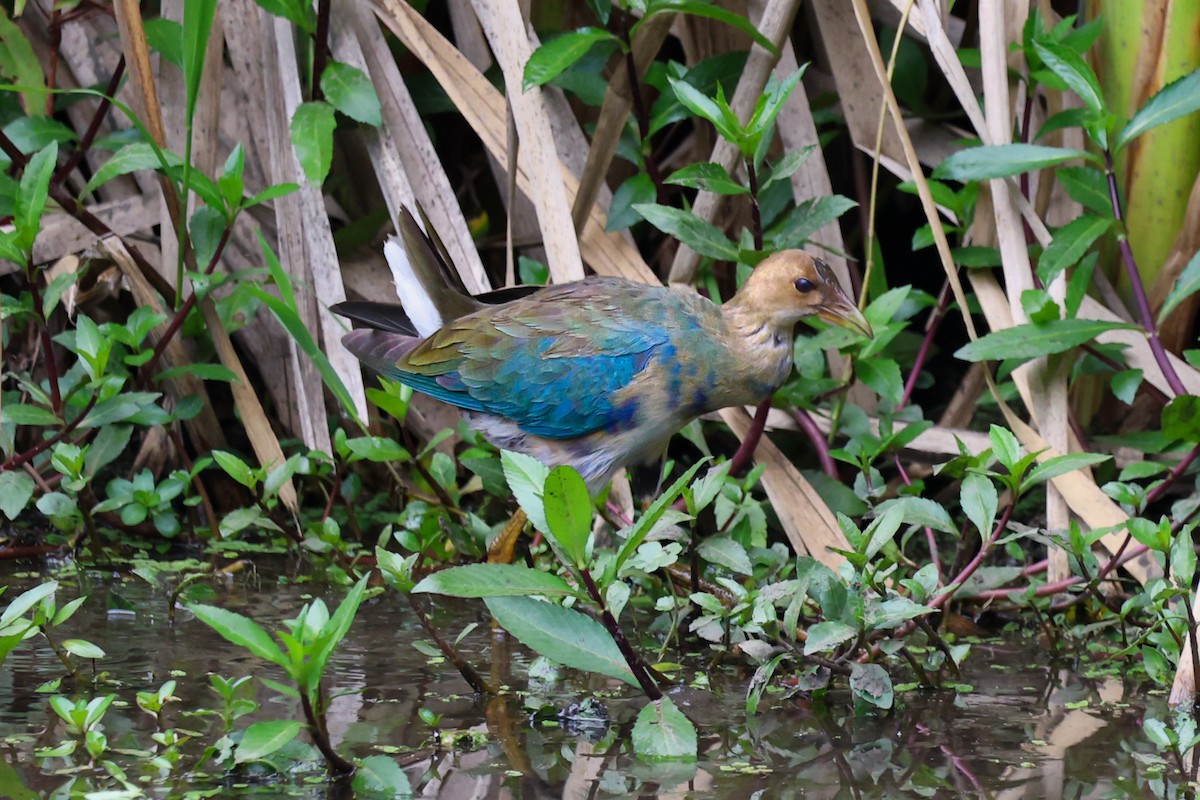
(804, 285)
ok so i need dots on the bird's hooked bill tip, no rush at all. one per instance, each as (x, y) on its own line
(847, 316)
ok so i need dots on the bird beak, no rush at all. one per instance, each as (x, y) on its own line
(840, 311)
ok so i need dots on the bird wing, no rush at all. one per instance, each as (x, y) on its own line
(553, 363)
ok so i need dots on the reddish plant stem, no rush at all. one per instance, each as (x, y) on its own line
(320, 48)
(745, 452)
(807, 424)
(969, 569)
(45, 444)
(181, 313)
(54, 31)
(930, 539)
(641, 671)
(316, 729)
(1145, 314)
(93, 128)
(931, 329)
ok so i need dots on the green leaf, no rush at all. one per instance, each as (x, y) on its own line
(30, 134)
(1070, 242)
(1183, 558)
(647, 521)
(1177, 99)
(1023, 342)
(726, 552)
(1125, 384)
(197, 29)
(26, 414)
(870, 682)
(1061, 465)
(919, 511)
(635, 191)
(1088, 186)
(131, 158)
(882, 375)
(166, 38)
(31, 200)
(526, 478)
(241, 631)
(261, 739)
(332, 633)
(705, 107)
(236, 468)
(298, 12)
(704, 238)
(352, 93)
(707, 177)
(271, 192)
(1066, 64)
(19, 62)
(380, 775)
(26, 600)
(828, 635)
(377, 448)
(561, 634)
(16, 488)
(663, 733)
(312, 137)
(206, 226)
(701, 8)
(1003, 160)
(559, 54)
(493, 580)
(1185, 287)
(568, 509)
(82, 649)
(979, 501)
(807, 218)
(1181, 418)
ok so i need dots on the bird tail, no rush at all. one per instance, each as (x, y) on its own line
(430, 289)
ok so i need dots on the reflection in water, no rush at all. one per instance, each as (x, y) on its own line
(1024, 729)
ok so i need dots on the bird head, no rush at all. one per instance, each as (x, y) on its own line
(790, 285)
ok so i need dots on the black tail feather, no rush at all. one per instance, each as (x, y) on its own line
(380, 316)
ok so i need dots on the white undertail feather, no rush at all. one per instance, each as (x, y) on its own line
(416, 301)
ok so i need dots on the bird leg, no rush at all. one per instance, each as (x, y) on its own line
(502, 548)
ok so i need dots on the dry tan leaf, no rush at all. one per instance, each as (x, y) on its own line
(775, 25)
(505, 30)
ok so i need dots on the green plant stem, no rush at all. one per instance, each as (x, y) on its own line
(1145, 314)
(641, 671)
(473, 678)
(337, 764)
(61, 653)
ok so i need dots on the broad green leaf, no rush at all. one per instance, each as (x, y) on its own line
(1125, 384)
(1088, 186)
(828, 635)
(646, 522)
(31, 200)
(919, 511)
(131, 158)
(26, 600)
(166, 38)
(21, 64)
(870, 682)
(882, 375)
(1181, 418)
(270, 193)
(377, 448)
(807, 218)
(703, 237)
(206, 227)
(1185, 287)
(1023, 342)
(241, 631)
(352, 93)
(561, 634)
(892, 612)
(16, 488)
(261, 739)
(726, 552)
(568, 509)
(526, 478)
(559, 54)
(1070, 242)
(312, 137)
(663, 733)
(236, 468)
(705, 107)
(1005, 446)
(25, 414)
(1066, 64)
(493, 580)
(332, 633)
(82, 649)
(1061, 465)
(1177, 99)
(707, 177)
(380, 775)
(979, 501)
(1003, 160)
(635, 191)
(1183, 558)
(30, 134)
